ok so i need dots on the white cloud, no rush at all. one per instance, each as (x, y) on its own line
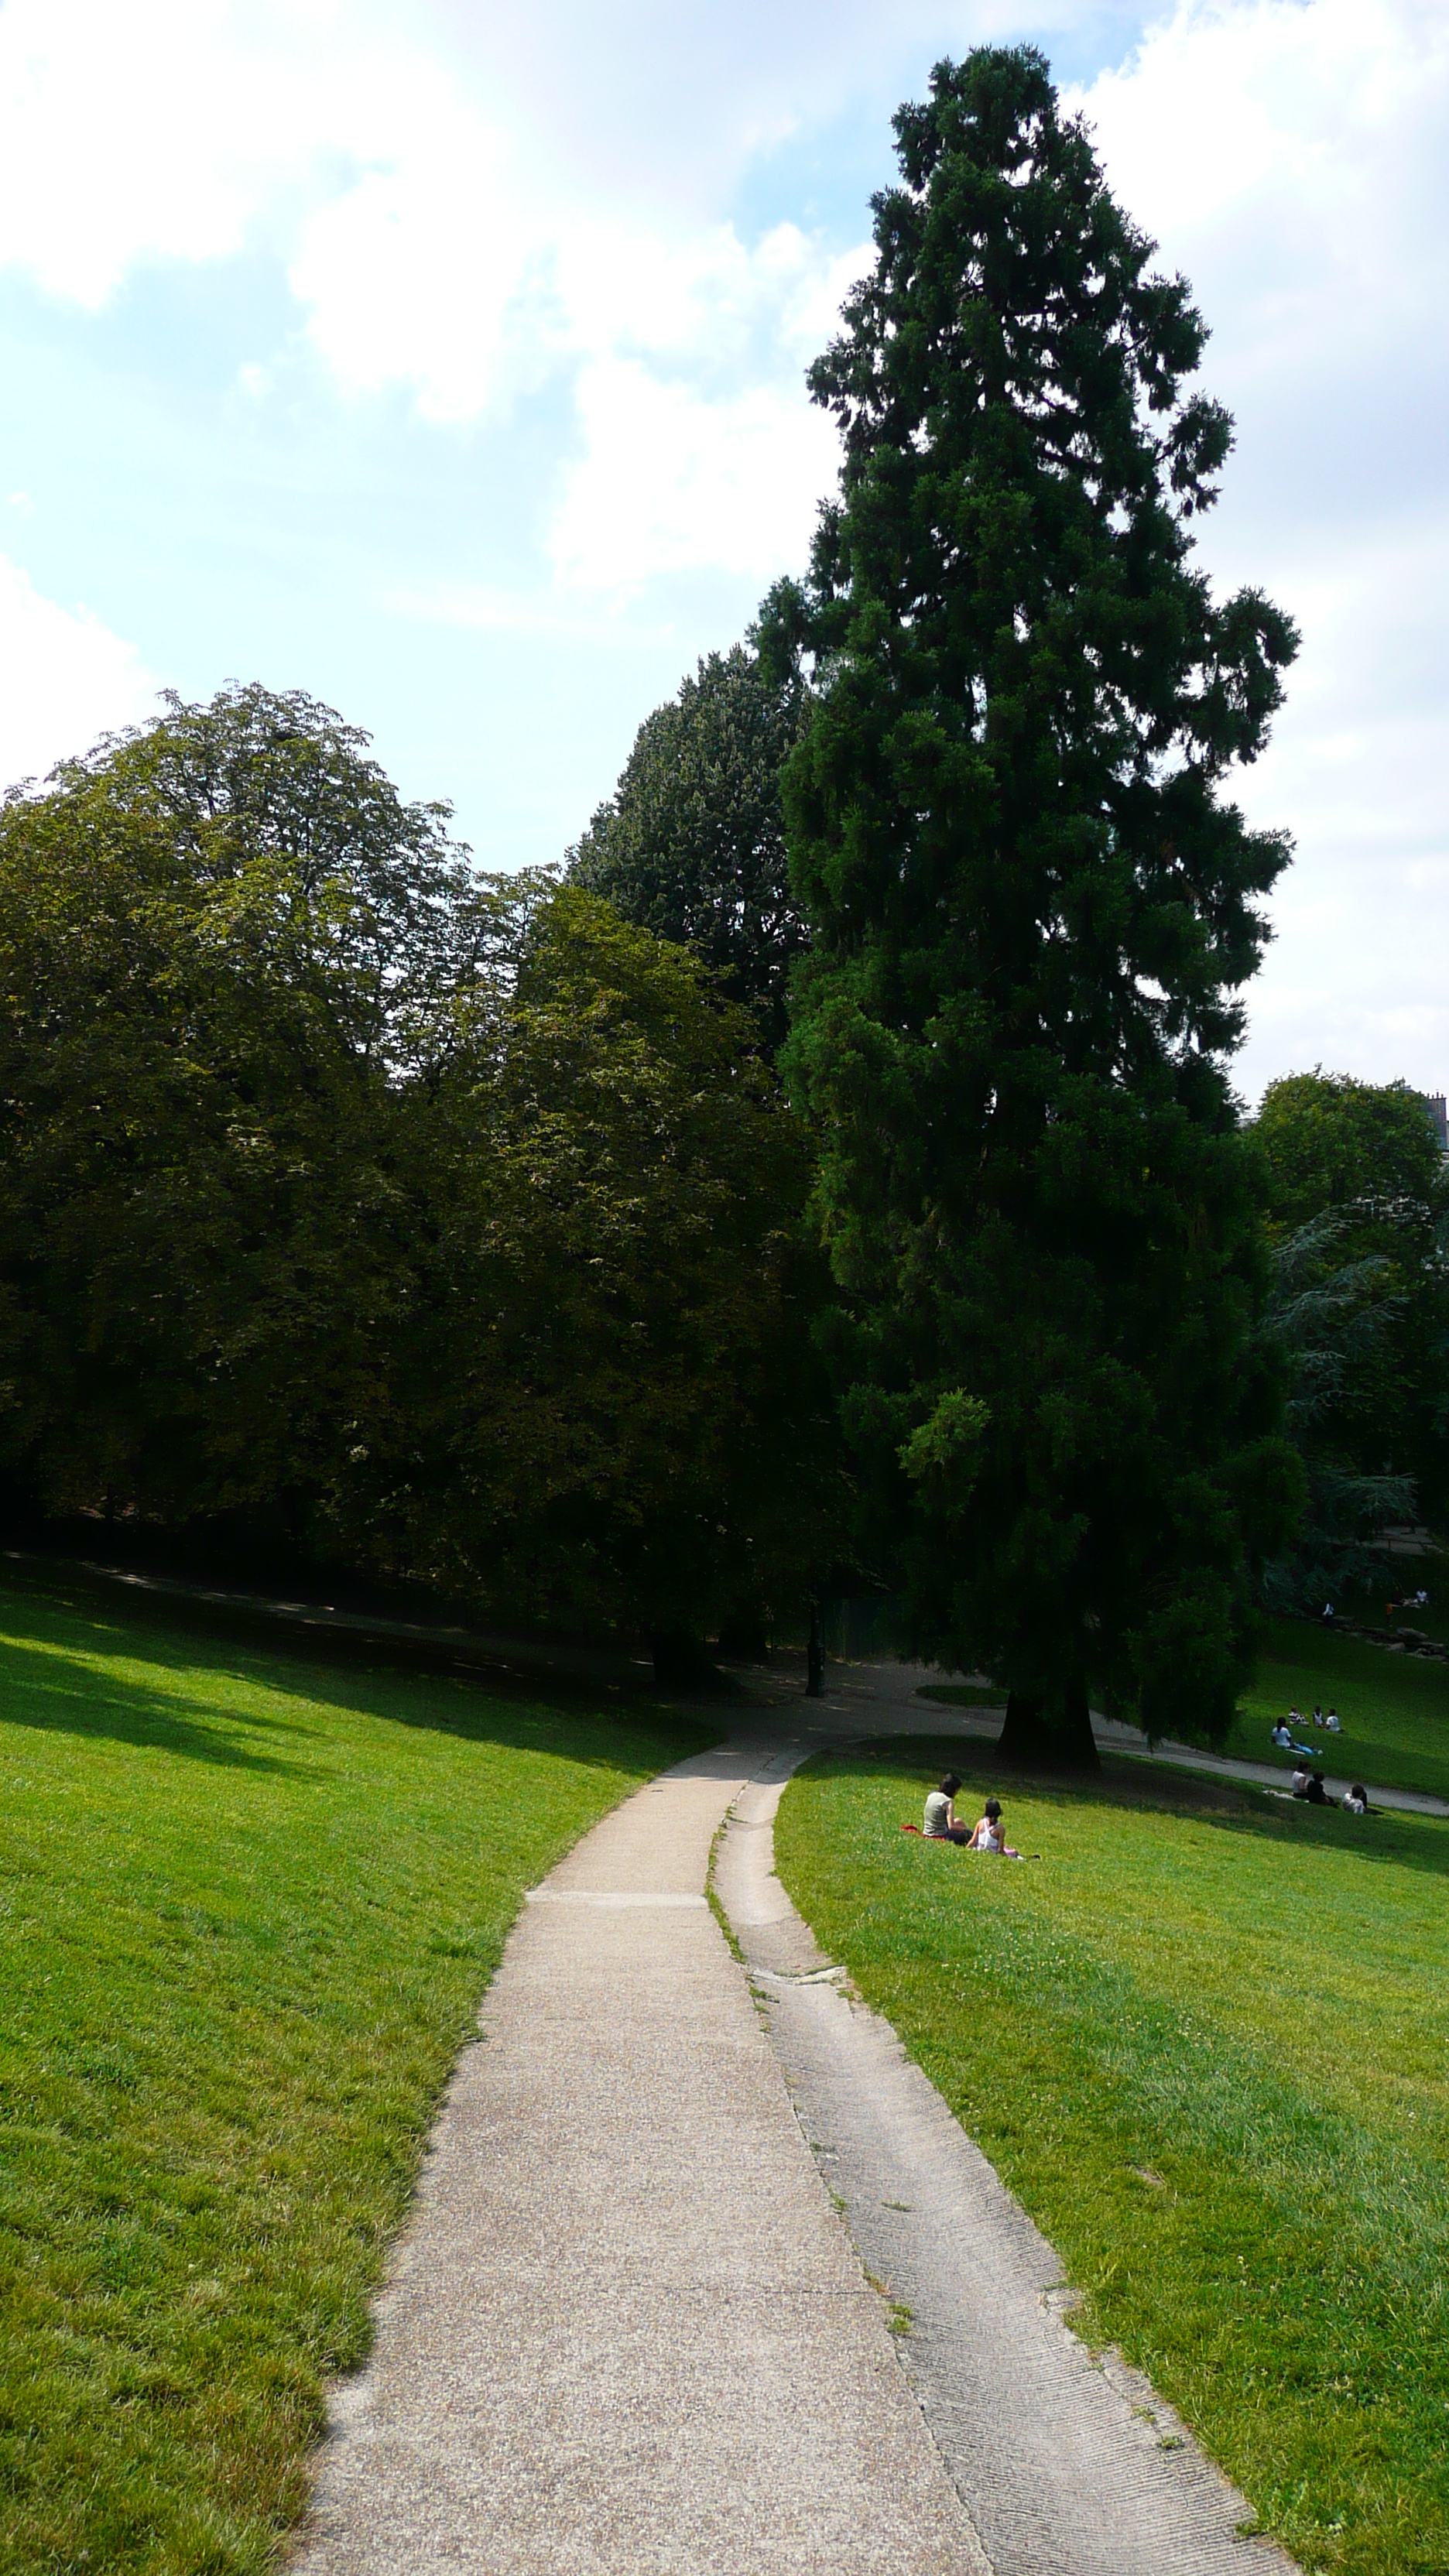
(67, 679)
(156, 132)
(439, 238)
(661, 464)
(469, 204)
(479, 608)
(1290, 156)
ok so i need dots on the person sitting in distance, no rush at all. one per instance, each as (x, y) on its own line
(1332, 1724)
(990, 1834)
(1281, 1735)
(1315, 1793)
(940, 1825)
(1356, 1799)
(1300, 1781)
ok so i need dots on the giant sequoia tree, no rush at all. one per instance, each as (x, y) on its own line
(1032, 911)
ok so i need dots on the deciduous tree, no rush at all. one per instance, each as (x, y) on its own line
(452, 1224)
(224, 941)
(1358, 1193)
(615, 1411)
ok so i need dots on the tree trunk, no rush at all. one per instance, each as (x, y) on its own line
(1035, 1738)
(1024, 1741)
(814, 1656)
(682, 1661)
(1076, 1744)
(744, 1637)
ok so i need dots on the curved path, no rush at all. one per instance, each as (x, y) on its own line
(628, 2330)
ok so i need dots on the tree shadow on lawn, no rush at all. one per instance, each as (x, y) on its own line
(1407, 1841)
(356, 1674)
(43, 1687)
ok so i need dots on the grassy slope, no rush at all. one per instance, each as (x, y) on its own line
(1395, 1709)
(247, 1906)
(1207, 2050)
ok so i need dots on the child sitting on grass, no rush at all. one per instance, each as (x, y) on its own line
(990, 1834)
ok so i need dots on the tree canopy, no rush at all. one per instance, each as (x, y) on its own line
(1032, 912)
(622, 1293)
(1359, 1200)
(451, 1222)
(1338, 1320)
(1330, 1141)
(217, 936)
(691, 844)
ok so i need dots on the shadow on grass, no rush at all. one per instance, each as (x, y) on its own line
(1406, 1841)
(433, 1685)
(43, 1687)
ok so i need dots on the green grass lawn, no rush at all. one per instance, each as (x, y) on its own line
(248, 1903)
(1204, 2040)
(1395, 1709)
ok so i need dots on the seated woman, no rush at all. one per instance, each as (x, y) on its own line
(940, 1825)
(1356, 1800)
(990, 1834)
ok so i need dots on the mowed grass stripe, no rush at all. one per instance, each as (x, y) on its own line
(1205, 2045)
(247, 1906)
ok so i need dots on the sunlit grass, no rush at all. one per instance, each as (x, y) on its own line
(1247, 2003)
(247, 1907)
(1394, 1708)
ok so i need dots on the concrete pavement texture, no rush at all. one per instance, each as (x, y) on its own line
(1068, 2463)
(627, 2329)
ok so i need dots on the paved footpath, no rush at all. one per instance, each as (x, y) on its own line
(628, 2330)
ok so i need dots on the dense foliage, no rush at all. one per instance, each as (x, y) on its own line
(691, 844)
(1336, 1320)
(1331, 1142)
(217, 937)
(451, 1223)
(613, 1387)
(1032, 910)
(1359, 1205)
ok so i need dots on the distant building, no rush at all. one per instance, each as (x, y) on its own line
(1438, 1118)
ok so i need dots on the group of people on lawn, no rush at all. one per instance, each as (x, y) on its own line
(989, 1835)
(1307, 1784)
(1283, 1732)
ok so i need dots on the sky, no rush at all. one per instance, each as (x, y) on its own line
(447, 360)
